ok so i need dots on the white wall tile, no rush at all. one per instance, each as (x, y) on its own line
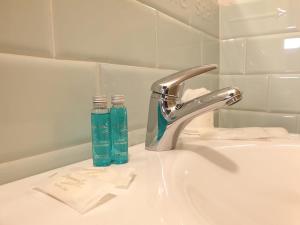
(248, 18)
(254, 89)
(205, 16)
(45, 104)
(237, 118)
(179, 46)
(25, 27)
(210, 51)
(209, 81)
(179, 9)
(135, 83)
(108, 31)
(201, 14)
(284, 93)
(273, 54)
(50, 160)
(233, 56)
(28, 166)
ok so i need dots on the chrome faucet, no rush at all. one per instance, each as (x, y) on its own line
(168, 115)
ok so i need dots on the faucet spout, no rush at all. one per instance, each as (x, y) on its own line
(212, 101)
(168, 115)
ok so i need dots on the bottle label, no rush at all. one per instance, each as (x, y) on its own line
(119, 135)
(101, 139)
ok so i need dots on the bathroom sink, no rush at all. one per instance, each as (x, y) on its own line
(239, 182)
(201, 182)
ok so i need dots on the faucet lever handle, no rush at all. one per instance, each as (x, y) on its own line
(170, 85)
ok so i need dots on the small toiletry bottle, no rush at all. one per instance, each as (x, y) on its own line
(119, 130)
(101, 142)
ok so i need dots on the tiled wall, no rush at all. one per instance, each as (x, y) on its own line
(260, 53)
(56, 54)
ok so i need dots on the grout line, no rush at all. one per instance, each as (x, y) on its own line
(254, 36)
(52, 29)
(273, 73)
(186, 23)
(283, 73)
(201, 42)
(99, 79)
(268, 94)
(156, 38)
(245, 56)
(257, 111)
(298, 124)
(220, 24)
(89, 61)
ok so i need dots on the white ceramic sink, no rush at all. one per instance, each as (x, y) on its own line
(202, 182)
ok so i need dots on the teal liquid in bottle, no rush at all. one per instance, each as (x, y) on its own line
(119, 130)
(100, 122)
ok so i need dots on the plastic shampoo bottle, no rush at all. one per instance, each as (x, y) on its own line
(100, 122)
(119, 130)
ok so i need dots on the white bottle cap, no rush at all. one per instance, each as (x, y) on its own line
(117, 99)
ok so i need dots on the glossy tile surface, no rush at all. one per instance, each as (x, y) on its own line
(108, 31)
(201, 14)
(273, 54)
(45, 104)
(238, 118)
(253, 88)
(284, 93)
(232, 56)
(209, 81)
(179, 46)
(210, 51)
(25, 27)
(261, 38)
(250, 18)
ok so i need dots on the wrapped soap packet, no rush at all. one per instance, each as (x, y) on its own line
(85, 188)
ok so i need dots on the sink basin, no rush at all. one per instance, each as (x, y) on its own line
(241, 182)
(201, 182)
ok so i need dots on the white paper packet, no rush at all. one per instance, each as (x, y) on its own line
(85, 188)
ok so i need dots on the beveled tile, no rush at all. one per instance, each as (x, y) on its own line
(273, 54)
(179, 46)
(284, 93)
(45, 104)
(108, 31)
(254, 89)
(250, 18)
(26, 27)
(209, 81)
(210, 51)
(237, 118)
(233, 56)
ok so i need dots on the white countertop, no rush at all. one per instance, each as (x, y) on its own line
(21, 205)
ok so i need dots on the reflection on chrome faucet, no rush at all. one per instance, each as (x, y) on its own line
(168, 115)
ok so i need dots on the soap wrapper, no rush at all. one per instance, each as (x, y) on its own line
(86, 188)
